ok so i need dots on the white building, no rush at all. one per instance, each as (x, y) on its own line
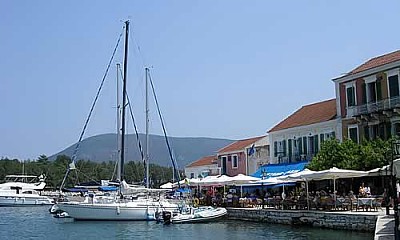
(206, 166)
(299, 136)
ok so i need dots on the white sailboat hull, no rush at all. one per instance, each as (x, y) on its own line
(129, 211)
(24, 200)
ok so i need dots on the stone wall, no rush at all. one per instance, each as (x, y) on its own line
(334, 220)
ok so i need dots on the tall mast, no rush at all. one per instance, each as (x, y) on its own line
(124, 101)
(147, 128)
(118, 127)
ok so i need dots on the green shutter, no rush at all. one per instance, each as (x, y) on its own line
(300, 146)
(316, 144)
(366, 132)
(379, 89)
(305, 150)
(364, 93)
(393, 86)
(290, 149)
(275, 149)
(388, 130)
(284, 147)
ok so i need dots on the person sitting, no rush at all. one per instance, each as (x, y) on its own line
(361, 190)
(367, 191)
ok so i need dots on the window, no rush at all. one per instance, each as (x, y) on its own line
(350, 96)
(234, 161)
(330, 135)
(396, 129)
(393, 82)
(373, 88)
(321, 138)
(353, 133)
(191, 175)
(393, 86)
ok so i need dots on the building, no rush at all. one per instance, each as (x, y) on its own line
(299, 136)
(234, 158)
(203, 167)
(258, 154)
(367, 99)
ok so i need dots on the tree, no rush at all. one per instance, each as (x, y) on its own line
(350, 155)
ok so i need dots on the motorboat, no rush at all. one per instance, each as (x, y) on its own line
(24, 182)
(194, 215)
(20, 190)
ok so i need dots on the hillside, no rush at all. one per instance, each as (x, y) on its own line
(103, 148)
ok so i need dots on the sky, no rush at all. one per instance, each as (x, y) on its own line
(221, 68)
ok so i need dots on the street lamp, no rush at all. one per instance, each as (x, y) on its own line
(263, 176)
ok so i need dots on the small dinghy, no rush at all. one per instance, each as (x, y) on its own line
(61, 214)
(202, 214)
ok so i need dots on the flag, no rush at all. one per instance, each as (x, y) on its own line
(251, 150)
(72, 166)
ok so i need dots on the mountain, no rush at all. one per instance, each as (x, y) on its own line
(103, 147)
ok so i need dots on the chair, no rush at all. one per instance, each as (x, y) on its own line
(377, 203)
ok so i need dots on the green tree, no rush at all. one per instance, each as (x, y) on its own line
(350, 155)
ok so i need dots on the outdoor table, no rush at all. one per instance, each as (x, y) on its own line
(365, 202)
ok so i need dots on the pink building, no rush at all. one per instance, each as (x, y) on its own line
(233, 159)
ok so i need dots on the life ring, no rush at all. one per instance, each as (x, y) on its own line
(196, 202)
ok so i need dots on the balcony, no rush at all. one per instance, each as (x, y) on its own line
(374, 107)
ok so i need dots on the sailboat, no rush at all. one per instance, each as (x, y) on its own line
(120, 207)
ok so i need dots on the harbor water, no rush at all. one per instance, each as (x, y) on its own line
(37, 223)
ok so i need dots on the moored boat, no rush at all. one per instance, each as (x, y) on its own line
(22, 190)
(120, 206)
(201, 214)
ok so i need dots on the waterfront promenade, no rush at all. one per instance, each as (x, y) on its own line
(384, 228)
(365, 221)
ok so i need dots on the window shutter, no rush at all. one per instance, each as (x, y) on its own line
(316, 144)
(321, 138)
(275, 149)
(364, 93)
(300, 146)
(284, 147)
(305, 145)
(394, 86)
(290, 149)
(388, 130)
(379, 89)
(366, 133)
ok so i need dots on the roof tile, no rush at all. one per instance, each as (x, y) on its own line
(377, 61)
(208, 160)
(309, 114)
(239, 145)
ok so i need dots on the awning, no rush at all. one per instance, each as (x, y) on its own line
(276, 170)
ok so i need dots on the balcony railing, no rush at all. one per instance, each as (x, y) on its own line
(372, 107)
